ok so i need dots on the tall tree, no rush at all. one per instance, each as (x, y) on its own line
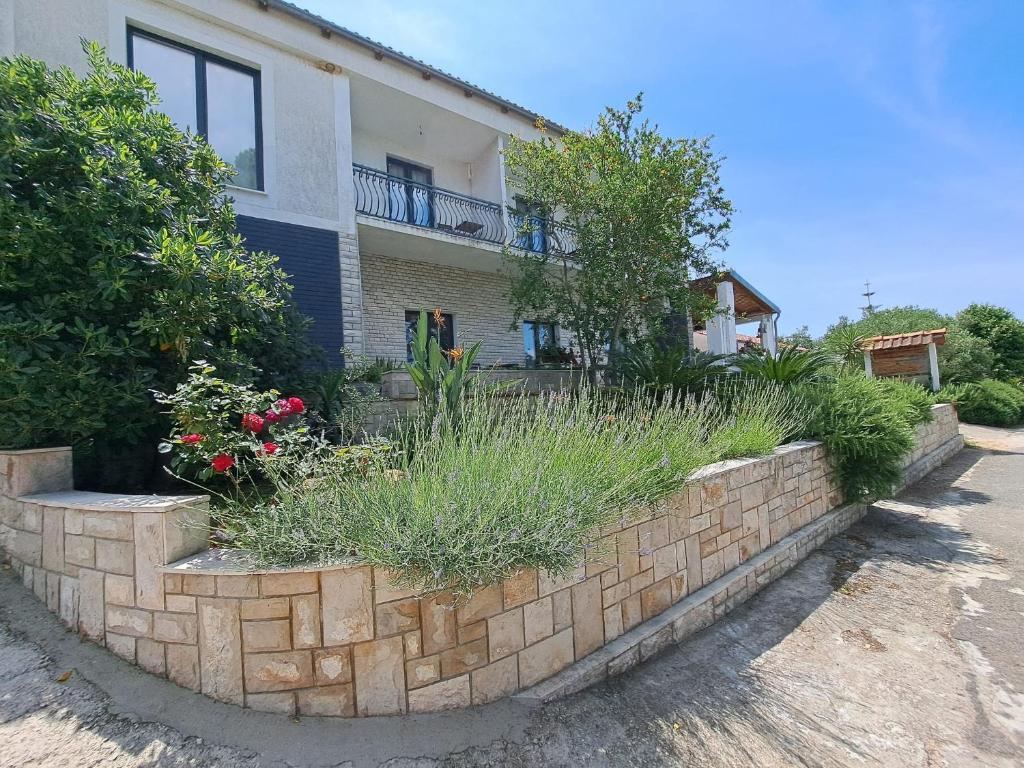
(801, 337)
(639, 215)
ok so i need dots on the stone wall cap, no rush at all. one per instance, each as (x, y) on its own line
(228, 562)
(728, 465)
(19, 451)
(90, 501)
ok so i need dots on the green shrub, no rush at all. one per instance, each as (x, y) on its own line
(514, 482)
(915, 401)
(965, 357)
(789, 366)
(866, 430)
(669, 370)
(119, 264)
(1004, 333)
(341, 399)
(753, 417)
(987, 402)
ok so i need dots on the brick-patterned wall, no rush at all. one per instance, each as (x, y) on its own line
(351, 293)
(477, 300)
(345, 640)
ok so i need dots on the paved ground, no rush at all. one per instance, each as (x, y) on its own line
(898, 644)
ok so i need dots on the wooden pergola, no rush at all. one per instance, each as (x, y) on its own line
(905, 356)
(739, 302)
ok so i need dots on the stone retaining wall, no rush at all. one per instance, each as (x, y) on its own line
(346, 641)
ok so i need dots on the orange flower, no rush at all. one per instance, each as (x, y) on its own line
(438, 317)
(456, 354)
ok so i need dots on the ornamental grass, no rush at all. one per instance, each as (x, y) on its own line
(514, 482)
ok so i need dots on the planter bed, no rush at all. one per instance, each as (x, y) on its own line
(343, 640)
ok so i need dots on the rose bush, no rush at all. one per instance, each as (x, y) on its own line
(239, 443)
(227, 428)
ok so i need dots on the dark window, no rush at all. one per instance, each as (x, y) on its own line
(409, 194)
(540, 343)
(209, 96)
(531, 226)
(443, 331)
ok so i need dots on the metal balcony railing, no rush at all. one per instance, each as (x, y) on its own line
(540, 235)
(422, 205)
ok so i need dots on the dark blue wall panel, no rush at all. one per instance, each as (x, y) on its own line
(310, 257)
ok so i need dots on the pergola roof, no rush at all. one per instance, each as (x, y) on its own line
(751, 304)
(900, 340)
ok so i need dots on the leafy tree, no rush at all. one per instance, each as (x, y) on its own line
(645, 214)
(801, 337)
(884, 322)
(119, 264)
(1004, 333)
(964, 356)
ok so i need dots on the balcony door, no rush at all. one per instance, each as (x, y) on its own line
(409, 193)
(530, 226)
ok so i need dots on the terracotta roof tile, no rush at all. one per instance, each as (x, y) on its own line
(914, 339)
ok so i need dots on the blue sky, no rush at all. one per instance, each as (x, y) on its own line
(879, 141)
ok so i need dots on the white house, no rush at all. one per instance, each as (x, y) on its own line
(377, 179)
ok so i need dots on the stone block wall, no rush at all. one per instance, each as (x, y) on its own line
(347, 641)
(941, 429)
(95, 558)
(351, 293)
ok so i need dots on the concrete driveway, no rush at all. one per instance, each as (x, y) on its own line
(897, 644)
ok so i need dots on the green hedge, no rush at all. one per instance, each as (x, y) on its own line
(868, 427)
(987, 402)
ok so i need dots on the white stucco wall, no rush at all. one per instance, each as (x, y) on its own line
(298, 108)
(51, 30)
(487, 175)
(373, 151)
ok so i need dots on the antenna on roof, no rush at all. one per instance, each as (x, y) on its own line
(868, 293)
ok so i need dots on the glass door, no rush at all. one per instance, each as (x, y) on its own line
(409, 197)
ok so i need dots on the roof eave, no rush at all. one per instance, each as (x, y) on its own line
(379, 48)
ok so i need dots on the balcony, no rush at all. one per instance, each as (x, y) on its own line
(537, 234)
(411, 203)
(397, 199)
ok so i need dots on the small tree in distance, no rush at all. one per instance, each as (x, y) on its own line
(646, 214)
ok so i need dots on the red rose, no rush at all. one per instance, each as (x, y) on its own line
(269, 448)
(252, 422)
(295, 405)
(283, 407)
(272, 416)
(191, 439)
(222, 462)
